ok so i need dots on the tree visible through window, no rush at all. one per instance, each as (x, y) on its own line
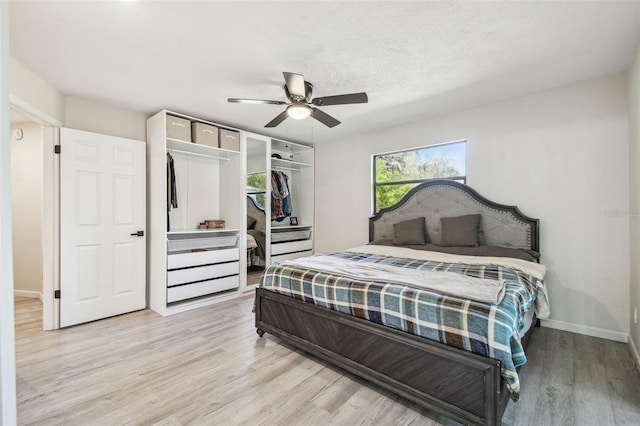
(396, 173)
(257, 187)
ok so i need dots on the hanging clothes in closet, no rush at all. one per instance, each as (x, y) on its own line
(280, 196)
(172, 192)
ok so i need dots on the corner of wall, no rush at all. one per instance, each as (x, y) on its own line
(634, 201)
(634, 352)
(34, 95)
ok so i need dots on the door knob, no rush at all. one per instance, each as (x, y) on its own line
(138, 234)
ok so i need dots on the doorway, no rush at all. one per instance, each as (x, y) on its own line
(42, 136)
(35, 188)
(27, 206)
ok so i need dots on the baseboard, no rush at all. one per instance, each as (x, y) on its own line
(28, 293)
(587, 331)
(634, 351)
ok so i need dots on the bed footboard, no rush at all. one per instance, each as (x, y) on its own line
(459, 384)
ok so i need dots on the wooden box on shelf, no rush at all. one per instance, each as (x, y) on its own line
(215, 223)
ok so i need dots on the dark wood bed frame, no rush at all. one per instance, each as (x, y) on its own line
(462, 385)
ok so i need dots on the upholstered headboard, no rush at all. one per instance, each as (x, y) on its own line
(500, 225)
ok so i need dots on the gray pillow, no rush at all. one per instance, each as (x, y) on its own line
(410, 232)
(460, 231)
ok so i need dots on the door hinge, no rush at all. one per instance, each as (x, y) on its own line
(56, 294)
(56, 149)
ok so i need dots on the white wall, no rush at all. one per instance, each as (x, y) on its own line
(34, 95)
(97, 117)
(560, 155)
(27, 88)
(634, 201)
(26, 207)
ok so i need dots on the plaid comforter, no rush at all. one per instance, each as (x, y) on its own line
(484, 329)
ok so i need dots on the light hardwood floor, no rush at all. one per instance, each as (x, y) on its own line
(209, 367)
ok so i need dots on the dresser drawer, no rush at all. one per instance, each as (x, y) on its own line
(293, 246)
(289, 256)
(184, 260)
(203, 288)
(201, 273)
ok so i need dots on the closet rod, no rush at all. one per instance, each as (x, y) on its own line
(198, 155)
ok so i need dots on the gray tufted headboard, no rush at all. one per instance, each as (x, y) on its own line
(500, 225)
(257, 213)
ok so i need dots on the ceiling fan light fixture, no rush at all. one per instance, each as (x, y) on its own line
(298, 111)
(298, 92)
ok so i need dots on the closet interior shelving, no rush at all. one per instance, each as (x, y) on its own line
(190, 267)
(284, 241)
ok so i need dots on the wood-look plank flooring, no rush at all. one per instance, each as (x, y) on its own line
(209, 367)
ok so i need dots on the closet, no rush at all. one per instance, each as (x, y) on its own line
(294, 162)
(279, 201)
(195, 206)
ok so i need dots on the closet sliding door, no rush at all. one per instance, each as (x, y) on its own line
(258, 203)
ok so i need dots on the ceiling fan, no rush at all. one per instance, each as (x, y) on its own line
(302, 106)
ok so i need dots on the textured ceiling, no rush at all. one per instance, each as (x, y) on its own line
(414, 59)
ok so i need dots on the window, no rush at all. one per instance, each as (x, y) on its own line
(257, 187)
(395, 173)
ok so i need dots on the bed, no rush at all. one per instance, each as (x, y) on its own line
(469, 378)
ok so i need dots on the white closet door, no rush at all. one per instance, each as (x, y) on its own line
(102, 208)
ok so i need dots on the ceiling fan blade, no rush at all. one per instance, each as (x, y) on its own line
(324, 118)
(255, 101)
(279, 119)
(352, 98)
(295, 84)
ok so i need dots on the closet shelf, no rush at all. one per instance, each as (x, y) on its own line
(289, 227)
(278, 145)
(200, 150)
(203, 231)
(277, 163)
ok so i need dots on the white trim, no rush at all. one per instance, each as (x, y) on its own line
(8, 412)
(28, 293)
(634, 352)
(33, 113)
(586, 330)
(50, 210)
(56, 237)
(49, 226)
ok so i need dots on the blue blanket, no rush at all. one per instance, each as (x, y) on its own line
(481, 328)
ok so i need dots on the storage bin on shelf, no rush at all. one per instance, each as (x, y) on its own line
(204, 134)
(178, 128)
(229, 139)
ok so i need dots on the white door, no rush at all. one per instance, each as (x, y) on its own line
(102, 226)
